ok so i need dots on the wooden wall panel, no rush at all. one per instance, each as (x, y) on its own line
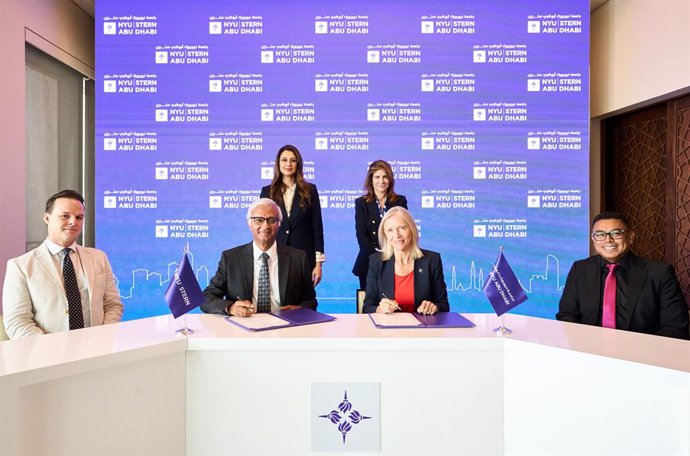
(646, 175)
(681, 146)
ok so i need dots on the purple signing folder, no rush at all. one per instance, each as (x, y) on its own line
(444, 320)
(282, 319)
(439, 320)
(303, 316)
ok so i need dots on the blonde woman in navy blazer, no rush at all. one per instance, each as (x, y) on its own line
(403, 276)
(369, 209)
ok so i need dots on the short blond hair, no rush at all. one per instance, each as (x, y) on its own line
(386, 248)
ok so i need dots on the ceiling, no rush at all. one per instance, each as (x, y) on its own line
(90, 5)
(593, 4)
(87, 5)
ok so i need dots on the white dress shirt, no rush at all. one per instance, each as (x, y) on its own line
(58, 258)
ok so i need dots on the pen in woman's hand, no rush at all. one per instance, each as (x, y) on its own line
(393, 303)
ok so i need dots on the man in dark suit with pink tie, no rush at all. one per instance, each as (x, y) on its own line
(620, 290)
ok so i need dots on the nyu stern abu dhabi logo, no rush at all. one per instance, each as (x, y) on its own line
(346, 417)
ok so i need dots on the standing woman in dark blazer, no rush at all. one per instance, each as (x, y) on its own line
(302, 226)
(404, 277)
(380, 196)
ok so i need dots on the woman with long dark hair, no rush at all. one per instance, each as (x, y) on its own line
(379, 197)
(302, 226)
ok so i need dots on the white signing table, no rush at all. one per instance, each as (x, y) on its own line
(135, 388)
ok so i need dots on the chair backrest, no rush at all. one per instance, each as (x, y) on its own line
(360, 300)
(3, 334)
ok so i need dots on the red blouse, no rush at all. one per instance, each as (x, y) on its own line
(404, 292)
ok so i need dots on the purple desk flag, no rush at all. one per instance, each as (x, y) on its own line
(184, 293)
(502, 288)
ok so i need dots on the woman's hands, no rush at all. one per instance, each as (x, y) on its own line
(387, 306)
(427, 308)
(316, 274)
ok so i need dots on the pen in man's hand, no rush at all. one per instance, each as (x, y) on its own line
(250, 308)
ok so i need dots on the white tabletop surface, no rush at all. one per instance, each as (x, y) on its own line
(156, 335)
(653, 350)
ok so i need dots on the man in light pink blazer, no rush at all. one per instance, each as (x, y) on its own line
(33, 296)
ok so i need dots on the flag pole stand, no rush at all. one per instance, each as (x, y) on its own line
(184, 330)
(502, 330)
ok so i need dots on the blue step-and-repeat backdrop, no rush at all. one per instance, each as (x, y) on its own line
(481, 107)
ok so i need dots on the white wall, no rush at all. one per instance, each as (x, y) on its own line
(62, 30)
(640, 54)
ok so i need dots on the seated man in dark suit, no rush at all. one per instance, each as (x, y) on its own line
(261, 276)
(618, 289)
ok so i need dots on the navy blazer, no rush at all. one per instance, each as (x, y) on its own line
(367, 221)
(304, 228)
(428, 281)
(235, 278)
(655, 303)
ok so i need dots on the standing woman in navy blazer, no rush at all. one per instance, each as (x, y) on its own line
(369, 209)
(403, 276)
(302, 226)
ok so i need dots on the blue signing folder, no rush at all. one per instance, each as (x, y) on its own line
(415, 320)
(281, 319)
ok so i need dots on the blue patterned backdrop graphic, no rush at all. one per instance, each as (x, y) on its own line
(480, 107)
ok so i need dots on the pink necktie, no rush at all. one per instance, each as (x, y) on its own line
(608, 318)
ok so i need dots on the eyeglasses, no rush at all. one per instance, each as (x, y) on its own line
(260, 220)
(601, 235)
